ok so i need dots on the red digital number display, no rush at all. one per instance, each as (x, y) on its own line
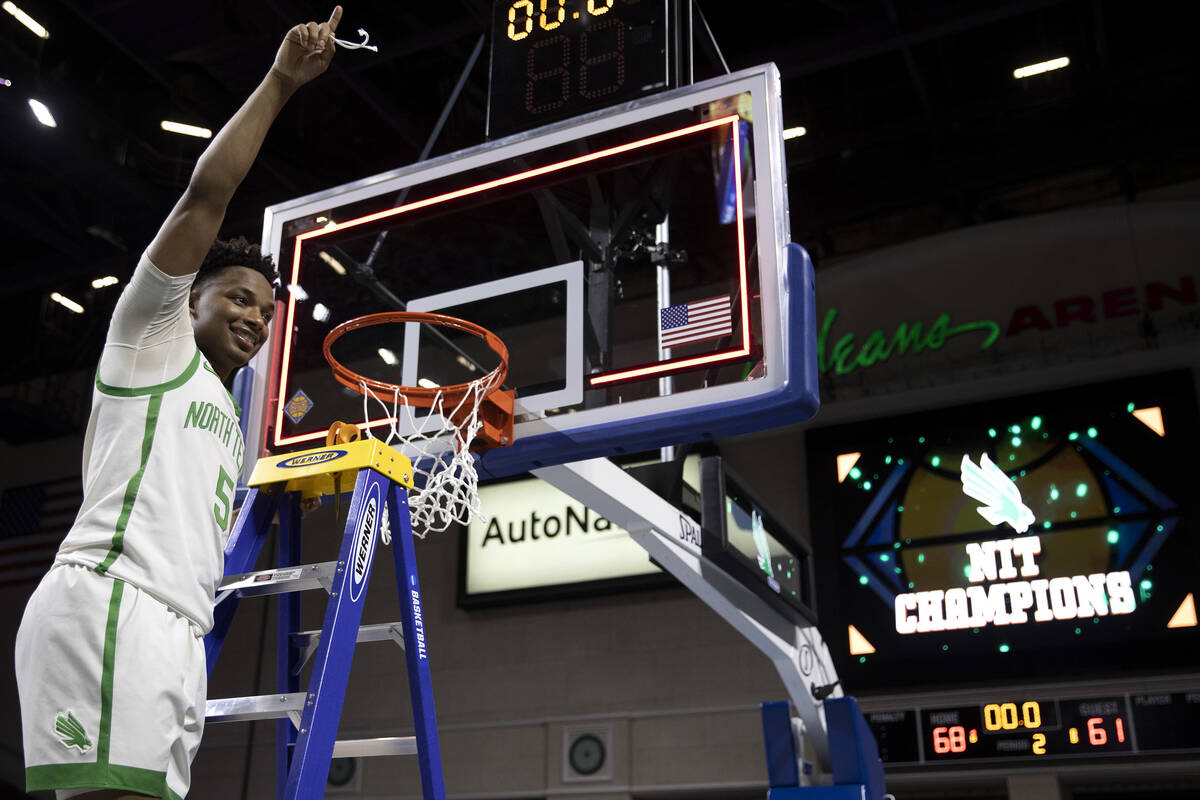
(952, 739)
(556, 59)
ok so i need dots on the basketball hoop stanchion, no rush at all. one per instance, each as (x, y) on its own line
(480, 413)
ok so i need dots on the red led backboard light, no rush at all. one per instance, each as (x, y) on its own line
(665, 367)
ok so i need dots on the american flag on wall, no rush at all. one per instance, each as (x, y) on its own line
(694, 322)
(33, 521)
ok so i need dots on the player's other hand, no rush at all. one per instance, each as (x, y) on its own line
(307, 50)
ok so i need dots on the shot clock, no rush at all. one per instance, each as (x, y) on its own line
(555, 59)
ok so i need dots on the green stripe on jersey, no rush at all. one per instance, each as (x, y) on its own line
(106, 673)
(236, 408)
(44, 777)
(122, 391)
(131, 488)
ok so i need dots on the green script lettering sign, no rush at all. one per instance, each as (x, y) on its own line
(877, 347)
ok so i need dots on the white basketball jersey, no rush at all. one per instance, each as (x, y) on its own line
(161, 464)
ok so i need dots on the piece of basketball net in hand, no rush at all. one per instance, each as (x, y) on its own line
(347, 45)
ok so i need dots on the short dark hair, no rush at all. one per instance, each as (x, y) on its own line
(237, 252)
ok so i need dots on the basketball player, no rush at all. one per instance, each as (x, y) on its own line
(110, 652)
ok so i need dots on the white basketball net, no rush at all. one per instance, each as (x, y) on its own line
(446, 483)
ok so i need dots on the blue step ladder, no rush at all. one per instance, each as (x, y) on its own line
(306, 731)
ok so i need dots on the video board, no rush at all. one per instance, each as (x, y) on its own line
(1049, 536)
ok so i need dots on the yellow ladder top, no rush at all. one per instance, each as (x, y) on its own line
(313, 472)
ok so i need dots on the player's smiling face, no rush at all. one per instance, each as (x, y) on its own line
(230, 314)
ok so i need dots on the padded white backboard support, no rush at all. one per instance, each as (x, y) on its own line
(670, 536)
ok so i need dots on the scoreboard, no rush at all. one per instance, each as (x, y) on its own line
(1039, 539)
(1014, 727)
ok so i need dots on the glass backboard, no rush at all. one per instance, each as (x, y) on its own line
(634, 261)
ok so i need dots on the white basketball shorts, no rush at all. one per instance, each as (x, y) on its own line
(112, 686)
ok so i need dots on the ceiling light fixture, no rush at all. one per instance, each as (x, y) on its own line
(107, 280)
(29, 22)
(388, 357)
(1040, 67)
(426, 383)
(66, 302)
(321, 312)
(794, 133)
(42, 113)
(5, 82)
(185, 129)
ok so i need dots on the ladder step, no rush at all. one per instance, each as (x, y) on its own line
(306, 641)
(279, 580)
(383, 746)
(377, 632)
(276, 706)
(244, 709)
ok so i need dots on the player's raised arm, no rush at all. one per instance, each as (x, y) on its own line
(193, 224)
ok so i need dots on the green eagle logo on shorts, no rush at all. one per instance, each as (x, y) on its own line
(72, 733)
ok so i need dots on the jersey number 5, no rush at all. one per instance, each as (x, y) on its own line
(221, 507)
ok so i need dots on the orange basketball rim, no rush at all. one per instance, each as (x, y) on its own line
(495, 406)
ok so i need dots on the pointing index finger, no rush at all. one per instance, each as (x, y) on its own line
(335, 18)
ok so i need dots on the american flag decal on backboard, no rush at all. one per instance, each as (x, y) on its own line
(694, 322)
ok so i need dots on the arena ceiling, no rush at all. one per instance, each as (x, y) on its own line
(915, 122)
